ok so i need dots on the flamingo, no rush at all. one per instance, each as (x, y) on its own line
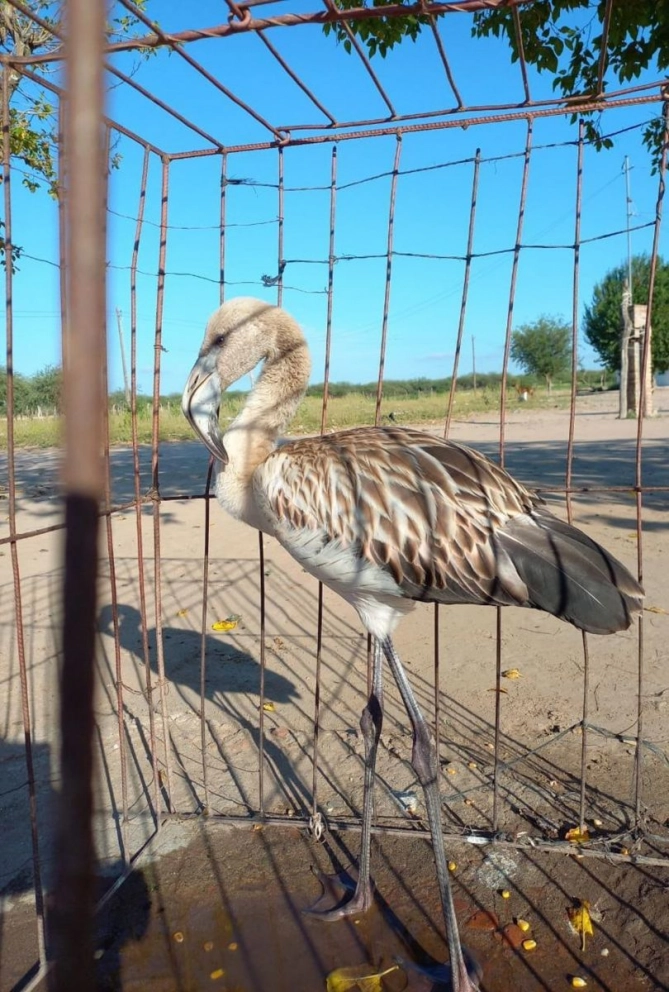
(386, 517)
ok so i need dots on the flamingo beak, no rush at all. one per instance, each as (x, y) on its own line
(200, 404)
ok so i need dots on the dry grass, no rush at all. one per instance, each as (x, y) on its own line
(345, 411)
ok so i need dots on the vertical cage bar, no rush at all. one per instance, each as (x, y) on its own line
(221, 237)
(330, 297)
(570, 454)
(141, 575)
(326, 381)
(113, 586)
(11, 508)
(281, 266)
(502, 423)
(83, 477)
(203, 633)
(261, 718)
(465, 290)
(389, 272)
(638, 469)
(155, 482)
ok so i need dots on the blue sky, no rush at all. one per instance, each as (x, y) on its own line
(432, 207)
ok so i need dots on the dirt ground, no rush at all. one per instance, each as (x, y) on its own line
(221, 881)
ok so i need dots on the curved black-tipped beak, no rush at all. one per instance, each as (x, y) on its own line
(200, 403)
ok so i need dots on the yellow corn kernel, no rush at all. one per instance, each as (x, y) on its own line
(505, 894)
(529, 945)
(452, 866)
(523, 925)
(578, 983)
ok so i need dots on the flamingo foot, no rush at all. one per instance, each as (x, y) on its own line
(441, 975)
(352, 899)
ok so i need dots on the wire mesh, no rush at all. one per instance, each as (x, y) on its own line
(240, 766)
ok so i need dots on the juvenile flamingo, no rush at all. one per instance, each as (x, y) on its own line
(386, 516)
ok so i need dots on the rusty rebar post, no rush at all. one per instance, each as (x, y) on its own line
(222, 230)
(502, 423)
(13, 536)
(279, 250)
(638, 473)
(203, 634)
(83, 479)
(389, 273)
(141, 572)
(263, 661)
(155, 483)
(465, 290)
(326, 381)
(570, 453)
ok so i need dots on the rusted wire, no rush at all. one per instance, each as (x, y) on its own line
(389, 272)
(465, 290)
(155, 483)
(638, 467)
(331, 268)
(222, 227)
(13, 536)
(604, 44)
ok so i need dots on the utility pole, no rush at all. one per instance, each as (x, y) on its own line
(126, 386)
(474, 362)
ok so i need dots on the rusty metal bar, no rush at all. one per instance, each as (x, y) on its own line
(330, 15)
(296, 79)
(521, 53)
(645, 359)
(113, 586)
(512, 288)
(400, 128)
(478, 839)
(73, 904)
(331, 268)
(221, 241)
(280, 258)
(200, 69)
(465, 290)
(263, 661)
(358, 49)
(601, 68)
(389, 270)
(570, 452)
(502, 422)
(203, 634)
(141, 576)
(13, 536)
(326, 382)
(155, 481)
(446, 64)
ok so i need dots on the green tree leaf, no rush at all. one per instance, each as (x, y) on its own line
(602, 323)
(543, 347)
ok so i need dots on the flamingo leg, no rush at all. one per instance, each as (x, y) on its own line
(424, 761)
(370, 723)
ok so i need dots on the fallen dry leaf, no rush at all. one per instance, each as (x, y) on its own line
(505, 691)
(511, 673)
(581, 921)
(363, 977)
(577, 836)
(656, 609)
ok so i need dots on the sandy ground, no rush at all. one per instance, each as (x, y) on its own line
(208, 757)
